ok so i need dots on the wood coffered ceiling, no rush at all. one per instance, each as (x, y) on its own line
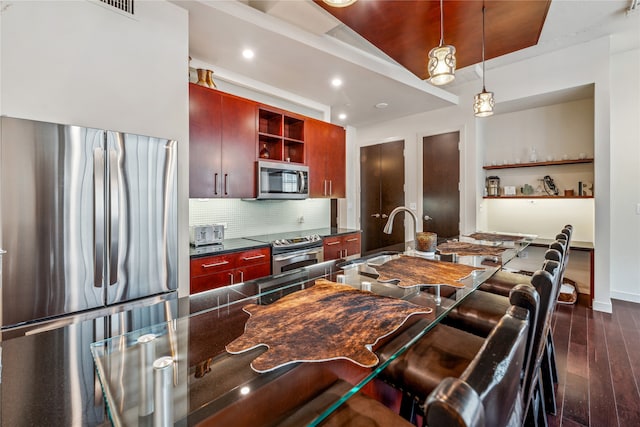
(407, 30)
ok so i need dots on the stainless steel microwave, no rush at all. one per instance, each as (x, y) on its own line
(282, 180)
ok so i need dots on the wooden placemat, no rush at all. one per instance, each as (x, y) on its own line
(325, 322)
(415, 271)
(469, 249)
(496, 237)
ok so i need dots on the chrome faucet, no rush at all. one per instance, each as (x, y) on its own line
(389, 225)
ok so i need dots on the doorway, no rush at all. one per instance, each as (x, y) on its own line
(440, 184)
(382, 189)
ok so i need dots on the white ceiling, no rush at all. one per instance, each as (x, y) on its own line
(299, 48)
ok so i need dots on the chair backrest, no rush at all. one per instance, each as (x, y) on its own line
(546, 282)
(489, 389)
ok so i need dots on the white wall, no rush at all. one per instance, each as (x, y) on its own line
(571, 67)
(625, 175)
(78, 62)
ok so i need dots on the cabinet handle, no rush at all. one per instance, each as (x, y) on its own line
(241, 276)
(249, 258)
(332, 243)
(230, 278)
(346, 253)
(353, 239)
(226, 184)
(324, 191)
(215, 183)
(330, 187)
(216, 264)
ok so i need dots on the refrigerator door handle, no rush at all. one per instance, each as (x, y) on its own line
(114, 215)
(98, 216)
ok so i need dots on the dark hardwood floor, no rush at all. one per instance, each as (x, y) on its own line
(598, 358)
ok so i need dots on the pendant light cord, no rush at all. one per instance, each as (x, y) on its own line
(483, 88)
(441, 24)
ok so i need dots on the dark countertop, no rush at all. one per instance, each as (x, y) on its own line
(254, 242)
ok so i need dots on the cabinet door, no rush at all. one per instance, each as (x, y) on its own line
(253, 272)
(351, 244)
(211, 281)
(336, 162)
(239, 139)
(205, 142)
(332, 248)
(316, 135)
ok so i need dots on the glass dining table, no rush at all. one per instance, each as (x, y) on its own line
(182, 373)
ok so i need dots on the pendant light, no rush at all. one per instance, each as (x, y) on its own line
(483, 102)
(339, 3)
(442, 59)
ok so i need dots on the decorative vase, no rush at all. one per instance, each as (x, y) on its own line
(210, 81)
(264, 152)
(426, 241)
(202, 77)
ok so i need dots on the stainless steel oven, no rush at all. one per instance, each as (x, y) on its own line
(296, 258)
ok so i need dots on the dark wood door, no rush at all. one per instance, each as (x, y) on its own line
(440, 184)
(382, 189)
(239, 139)
(205, 142)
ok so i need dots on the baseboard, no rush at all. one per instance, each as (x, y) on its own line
(625, 296)
(604, 306)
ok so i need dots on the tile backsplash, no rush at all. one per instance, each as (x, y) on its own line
(254, 217)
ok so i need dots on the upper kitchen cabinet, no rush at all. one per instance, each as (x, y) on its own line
(222, 135)
(281, 135)
(326, 157)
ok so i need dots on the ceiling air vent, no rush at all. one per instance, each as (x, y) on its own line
(123, 5)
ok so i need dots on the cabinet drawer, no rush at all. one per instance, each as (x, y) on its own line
(253, 272)
(212, 264)
(351, 244)
(253, 257)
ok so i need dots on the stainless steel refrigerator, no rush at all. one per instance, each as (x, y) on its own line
(88, 219)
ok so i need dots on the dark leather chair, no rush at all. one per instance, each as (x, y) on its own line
(442, 352)
(488, 393)
(481, 310)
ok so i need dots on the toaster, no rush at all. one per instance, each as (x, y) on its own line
(206, 234)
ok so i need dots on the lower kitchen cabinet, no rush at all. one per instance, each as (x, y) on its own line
(221, 270)
(342, 246)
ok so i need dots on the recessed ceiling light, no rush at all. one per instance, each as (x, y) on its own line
(342, 116)
(382, 105)
(248, 53)
(336, 82)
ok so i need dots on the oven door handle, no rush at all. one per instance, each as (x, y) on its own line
(296, 254)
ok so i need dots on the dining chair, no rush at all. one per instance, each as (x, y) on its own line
(444, 351)
(488, 393)
(481, 310)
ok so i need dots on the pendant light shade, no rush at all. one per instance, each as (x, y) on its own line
(483, 102)
(442, 59)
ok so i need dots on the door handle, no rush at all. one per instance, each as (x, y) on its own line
(385, 216)
(427, 218)
(114, 216)
(376, 215)
(98, 216)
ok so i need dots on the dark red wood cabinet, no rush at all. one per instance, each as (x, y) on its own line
(343, 246)
(326, 157)
(215, 271)
(222, 144)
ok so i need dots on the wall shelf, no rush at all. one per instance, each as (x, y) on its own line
(534, 164)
